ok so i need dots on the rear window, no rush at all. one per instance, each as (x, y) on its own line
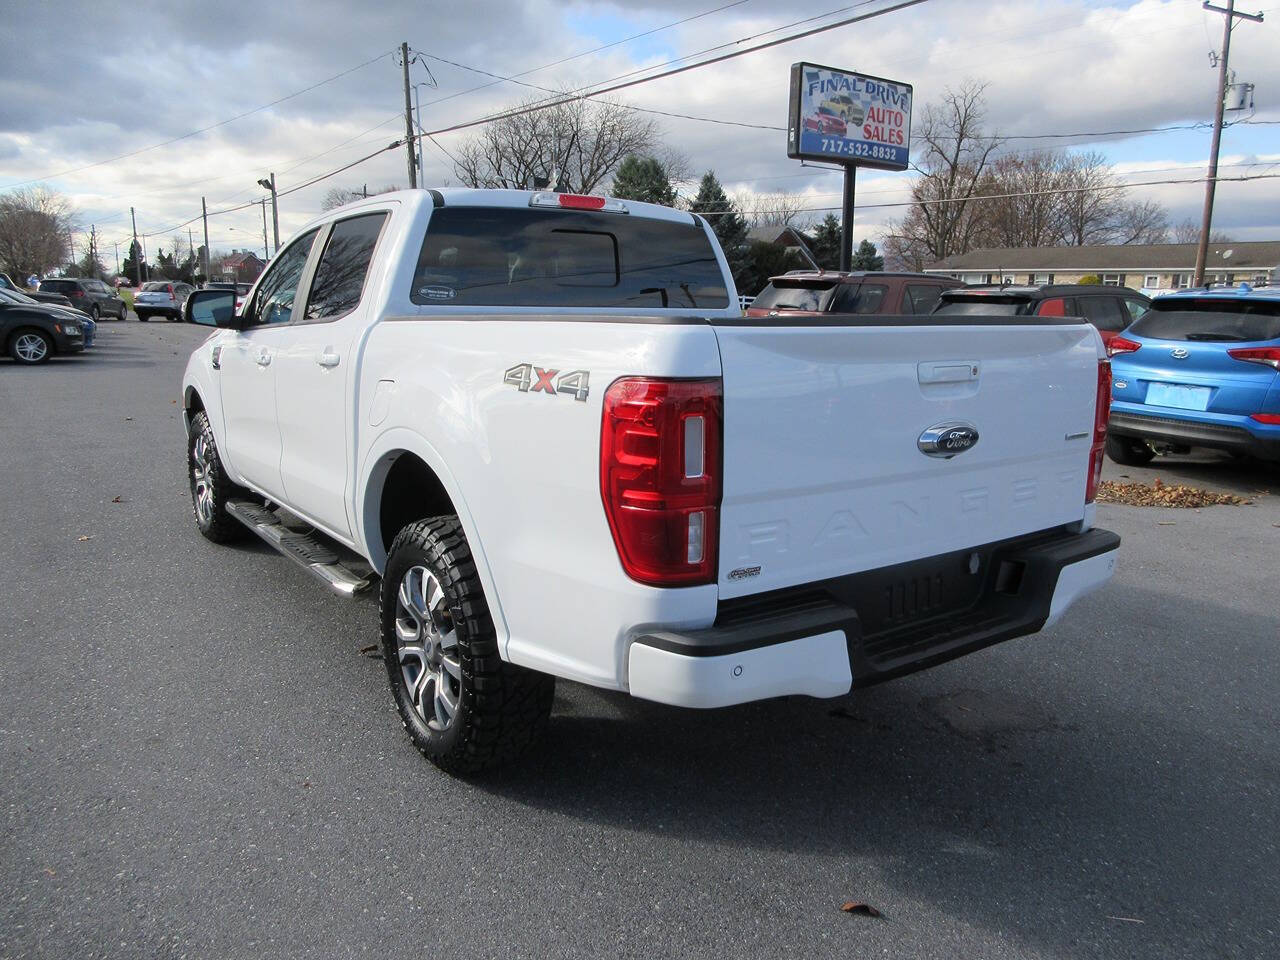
(156, 285)
(863, 298)
(511, 257)
(58, 286)
(811, 295)
(1210, 320)
(921, 297)
(985, 306)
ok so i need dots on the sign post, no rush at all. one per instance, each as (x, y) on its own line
(852, 119)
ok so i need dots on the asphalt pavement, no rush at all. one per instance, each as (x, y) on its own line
(199, 761)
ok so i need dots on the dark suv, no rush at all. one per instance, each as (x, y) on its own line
(810, 293)
(1110, 309)
(92, 296)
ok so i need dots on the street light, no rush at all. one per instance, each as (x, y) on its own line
(417, 112)
(266, 184)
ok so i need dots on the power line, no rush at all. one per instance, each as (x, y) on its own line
(613, 87)
(193, 133)
(576, 56)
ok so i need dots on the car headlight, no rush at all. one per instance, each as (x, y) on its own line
(70, 329)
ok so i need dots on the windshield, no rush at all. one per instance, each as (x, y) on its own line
(58, 286)
(811, 295)
(1209, 320)
(156, 285)
(984, 306)
(13, 296)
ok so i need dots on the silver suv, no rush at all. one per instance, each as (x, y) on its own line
(161, 298)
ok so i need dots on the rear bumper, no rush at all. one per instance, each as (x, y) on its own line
(1258, 440)
(814, 640)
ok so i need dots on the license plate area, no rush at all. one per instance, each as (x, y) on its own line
(1178, 395)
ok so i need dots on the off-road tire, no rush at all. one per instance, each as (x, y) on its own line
(502, 708)
(26, 332)
(1129, 451)
(219, 526)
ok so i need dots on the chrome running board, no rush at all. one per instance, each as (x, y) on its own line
(308, 550)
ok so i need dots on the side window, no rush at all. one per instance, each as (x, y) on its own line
(341, 271)
(1137, 309)
(863, 298)
(279, 288)
(921, 297)
(1103, 312)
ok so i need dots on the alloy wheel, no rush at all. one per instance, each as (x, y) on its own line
(427, 648)
(32, 347)
(202, 479)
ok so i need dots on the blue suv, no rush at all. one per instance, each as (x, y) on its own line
(1201, 369)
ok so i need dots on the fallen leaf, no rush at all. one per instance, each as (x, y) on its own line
(128, 418)
(306, 784)
(865, 909)
(1166, 523)
(1161, 494)
(117, 499)
(1127, 919)
(49, 872)
(369, 649)
(84, 538)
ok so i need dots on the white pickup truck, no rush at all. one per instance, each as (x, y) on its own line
(541, 423)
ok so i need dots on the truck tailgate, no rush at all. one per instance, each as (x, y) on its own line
(824, 474)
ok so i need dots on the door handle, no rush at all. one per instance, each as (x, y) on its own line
(328, 359)
(264, 359)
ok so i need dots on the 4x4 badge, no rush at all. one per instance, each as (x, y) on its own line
(527, 378)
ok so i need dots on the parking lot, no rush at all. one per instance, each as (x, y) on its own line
(199, 760)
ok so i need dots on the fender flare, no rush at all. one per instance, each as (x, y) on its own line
(374, 467)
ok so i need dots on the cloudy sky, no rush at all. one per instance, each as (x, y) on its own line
(224, 83)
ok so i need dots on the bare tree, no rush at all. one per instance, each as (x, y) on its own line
(1189, 232)
(955, 152)
(35, 226)
(337, 196)
(1026, 208)
(773, 209)
(1142, 221)
(1090, 207)
(575, 146)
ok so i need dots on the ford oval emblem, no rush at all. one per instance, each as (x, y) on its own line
(945, 440)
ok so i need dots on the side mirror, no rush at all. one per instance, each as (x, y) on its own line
(211, 308)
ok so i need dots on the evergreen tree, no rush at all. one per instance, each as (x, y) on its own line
(644, 179)
(826, 243)
(714, 204)
(762, 261)
(134, 260)
(866, 257)
(166, 265)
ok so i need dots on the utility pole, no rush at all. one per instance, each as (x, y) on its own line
(417, 113)
(266, 184)
(408, 117)
(1229, 12)
(115, 244)
(93, 249)
(137, 260)
(846, 219)
(204, 212)
(191, 254)
(266, 252)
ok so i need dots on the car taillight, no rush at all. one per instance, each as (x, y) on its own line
(1101, 414)
(1122, 345)
(660, 478)
(169, 289)
(1271, 419)
(76, 292)
(1269, 356)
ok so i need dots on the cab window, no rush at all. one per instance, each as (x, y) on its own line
(343, 266)
(273, 303)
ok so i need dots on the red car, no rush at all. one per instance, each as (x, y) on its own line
(824, 121)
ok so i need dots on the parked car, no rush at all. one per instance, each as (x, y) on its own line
(161, 298)
(64, 310)
(92, 296)
(490, 401)
(1201, 369)
(1110, 309)
(56, 299)
(810, 293)
(33, 332)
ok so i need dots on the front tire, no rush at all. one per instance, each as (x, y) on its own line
(210, 486)
(30, 346)
(95, 313)
(142, 317)
(464, 707)
(1129, 451)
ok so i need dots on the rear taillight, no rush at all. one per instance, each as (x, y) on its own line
(1122, 345)
(1271, 419)
(76, 292)
(1268, 356)
(1101, 414)
(169, 289)
(660, 478)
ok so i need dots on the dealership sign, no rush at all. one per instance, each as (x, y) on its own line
(848, 118)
